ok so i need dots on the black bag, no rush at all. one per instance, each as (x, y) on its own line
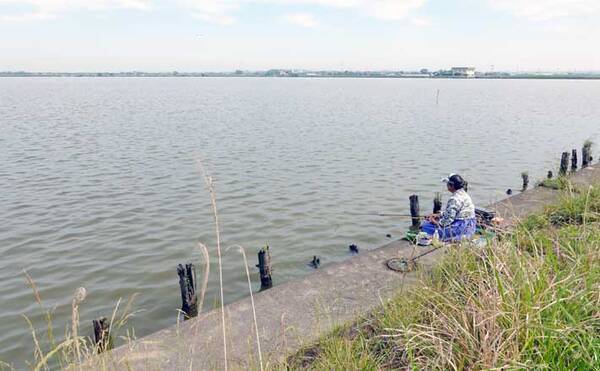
(484, 215)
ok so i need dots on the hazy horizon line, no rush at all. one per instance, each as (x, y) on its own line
(414, 70)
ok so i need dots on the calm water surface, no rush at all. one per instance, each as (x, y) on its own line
(100, 186)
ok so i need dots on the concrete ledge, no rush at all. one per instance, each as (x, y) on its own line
(297, 313)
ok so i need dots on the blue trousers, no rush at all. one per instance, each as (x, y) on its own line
(456, 231)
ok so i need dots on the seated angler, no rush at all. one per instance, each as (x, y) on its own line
(458, 220)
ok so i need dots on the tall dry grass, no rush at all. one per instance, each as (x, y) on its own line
(529, 300)
(75, 350)
(213, 200)
(80, 352)
(258, 349)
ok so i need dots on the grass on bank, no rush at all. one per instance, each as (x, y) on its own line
(529, 300)
(560, 183)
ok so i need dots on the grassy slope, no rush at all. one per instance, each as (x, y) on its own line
(528, 300)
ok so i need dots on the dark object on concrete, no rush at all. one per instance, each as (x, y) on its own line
(414, 211)
(437, 203)
(388, 235)
(354, 249)
(525, 177)
(550, 175)
(574, 160)
(264, 266)
(484, 216)
(564, 163)
(315, 262)
(187, 285)
(509, 191)
(102, 338)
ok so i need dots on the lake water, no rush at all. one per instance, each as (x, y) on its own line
(100, 187)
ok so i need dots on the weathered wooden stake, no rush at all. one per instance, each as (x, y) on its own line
(437, 203)
(525, 177)
(550, 175)
(466, 187)
(574, 160)
(187, 284)
(414, 211)
(586, 154)
(102, 338)
(564, 163)
(264, 266)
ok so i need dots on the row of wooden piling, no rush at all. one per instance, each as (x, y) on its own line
(189, 298)
(586, 159)
(187, 272)
(566, 158)
(187, 279)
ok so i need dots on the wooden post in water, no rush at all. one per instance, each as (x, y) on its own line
(585, 155)
(437, 203)
(574, 160)
(102, 338)
(414, 211)
(187, 285)
(564, 163)
(264, 266)
(525, 177)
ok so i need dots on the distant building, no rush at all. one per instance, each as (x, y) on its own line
(463, 71)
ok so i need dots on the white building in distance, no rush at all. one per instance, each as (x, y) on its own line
(463, 71)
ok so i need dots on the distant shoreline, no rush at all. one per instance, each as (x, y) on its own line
(318, 77)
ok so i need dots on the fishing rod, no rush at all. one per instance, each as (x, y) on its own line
(399, 215)
(391, 214)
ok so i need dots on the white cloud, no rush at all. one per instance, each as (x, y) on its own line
(302, 20)
(381, 9)
(542, 10)
(390, 9)
(421, 22)
(216, 18)
(215, 11)
(48, 9)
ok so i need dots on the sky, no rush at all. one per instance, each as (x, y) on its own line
(225, 35)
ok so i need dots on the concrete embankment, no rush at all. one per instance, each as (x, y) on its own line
(297, 313)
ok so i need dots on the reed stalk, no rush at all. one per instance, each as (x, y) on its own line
(213, 200)
(78, 298)
(204, 287)
(243, 252)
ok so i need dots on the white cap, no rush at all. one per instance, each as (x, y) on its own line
(447, 179)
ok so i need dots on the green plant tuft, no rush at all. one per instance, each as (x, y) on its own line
(559, 183)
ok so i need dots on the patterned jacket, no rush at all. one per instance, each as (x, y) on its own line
(459, 207)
